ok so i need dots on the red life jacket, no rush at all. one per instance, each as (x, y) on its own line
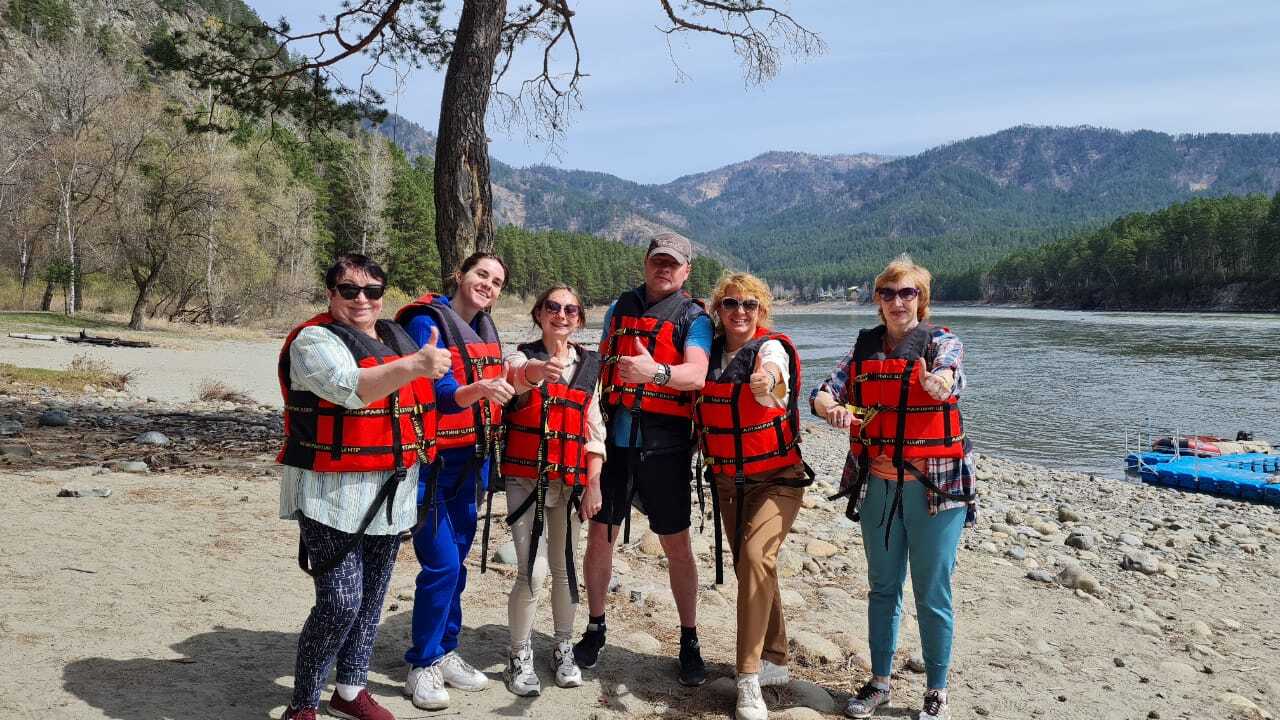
(325, 437)
(546, 429)
(909, 423)
(662, 327)
(739, 435)
(477, 355)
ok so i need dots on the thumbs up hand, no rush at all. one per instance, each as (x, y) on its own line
(938, 384)
(434, 361)
(497, 390)
(553, 368)
(638, 368)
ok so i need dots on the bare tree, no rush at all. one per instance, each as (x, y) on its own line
(368, 170)
(255, 70)
(72, 86)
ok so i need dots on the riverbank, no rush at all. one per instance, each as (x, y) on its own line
(177, 595)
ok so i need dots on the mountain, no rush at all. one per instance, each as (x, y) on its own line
(810, 220)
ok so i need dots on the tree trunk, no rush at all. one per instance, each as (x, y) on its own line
(140, 305)
(46, 301)
(464, 199)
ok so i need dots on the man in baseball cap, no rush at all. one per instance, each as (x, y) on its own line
(654, 353)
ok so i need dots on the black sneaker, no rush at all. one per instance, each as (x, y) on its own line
(587, 650)
(693, 671)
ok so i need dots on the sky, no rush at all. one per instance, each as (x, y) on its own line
(896, 79)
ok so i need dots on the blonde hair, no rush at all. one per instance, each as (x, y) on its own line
(904, 268)
(747, 286)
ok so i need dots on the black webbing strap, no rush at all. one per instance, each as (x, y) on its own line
(574, 505)
(488, 490)
(900, 437)
(719, 532)
(739, 473)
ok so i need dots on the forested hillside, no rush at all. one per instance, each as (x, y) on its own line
(1207, 253)
(111, 199)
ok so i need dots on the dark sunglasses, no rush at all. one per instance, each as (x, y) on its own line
(351, 292)
(907, 294)
(732, 304)
(553, 307)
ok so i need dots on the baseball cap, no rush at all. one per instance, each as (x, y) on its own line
(673, 244)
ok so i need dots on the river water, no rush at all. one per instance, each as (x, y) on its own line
(1064, 388)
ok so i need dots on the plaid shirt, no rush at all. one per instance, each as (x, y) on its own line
(955, 476)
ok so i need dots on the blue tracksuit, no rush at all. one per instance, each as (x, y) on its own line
(445, 540)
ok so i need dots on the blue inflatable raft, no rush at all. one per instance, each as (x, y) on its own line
(1246, 476)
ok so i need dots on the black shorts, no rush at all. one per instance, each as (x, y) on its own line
(662, 488)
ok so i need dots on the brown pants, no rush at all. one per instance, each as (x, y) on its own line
(769, 509)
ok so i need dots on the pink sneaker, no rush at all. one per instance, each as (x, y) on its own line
(362, 708)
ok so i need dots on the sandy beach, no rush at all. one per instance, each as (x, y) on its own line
(177, 596)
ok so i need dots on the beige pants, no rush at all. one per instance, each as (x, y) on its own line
(769, 509)
(522, 604)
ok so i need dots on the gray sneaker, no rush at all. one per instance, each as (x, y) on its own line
(520, 676)
(772, 675)
(865, 703)
(935, 706)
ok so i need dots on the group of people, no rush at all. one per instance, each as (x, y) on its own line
(398, 429)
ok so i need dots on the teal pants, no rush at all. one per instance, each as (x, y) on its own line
(928, 545)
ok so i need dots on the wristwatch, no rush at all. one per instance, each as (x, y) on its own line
(663, 376)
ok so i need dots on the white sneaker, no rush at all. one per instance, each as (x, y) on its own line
(750, 702)
(567, 673)
(935, 706)
(521, 679)
(865, 702)
(771, 675)
(459, 673)
(425, 687)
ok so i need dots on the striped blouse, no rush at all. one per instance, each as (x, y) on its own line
(321, 364)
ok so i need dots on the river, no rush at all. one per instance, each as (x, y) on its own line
(1064, 388)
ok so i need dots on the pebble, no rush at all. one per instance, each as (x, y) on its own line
(1081, 539)
(152, 437)
(506, 554)
(792, 599)
(1138, 561)
(1175, 671)
(989, 547)
(812, 696)
(813, 649)
(1017, 552)
(85, 492)
(1207, 580)
(15, 450)
(1239, 531)
(1201, 628)
(1241, 706)
(10, 427)
(1013, 517)
(1130, 539)
(802, 713)
(1075, 577)
(914, 663)
(129, 466)
(651, 545)
(834, 596)
(54, 418)
(1066, 514)
(1041, 575)
(642, 643)
(820, 549)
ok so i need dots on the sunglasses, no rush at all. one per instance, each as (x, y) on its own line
(907, 294)
(732, 304)
(351, 292)
(570, 311)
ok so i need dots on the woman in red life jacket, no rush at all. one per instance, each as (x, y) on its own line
(748, 420)
(470, 401)
(551, 463)
(909, 474)
(359, 427)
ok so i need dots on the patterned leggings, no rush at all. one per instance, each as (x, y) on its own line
(344, 621)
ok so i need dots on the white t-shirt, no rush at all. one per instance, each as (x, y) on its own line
(771, 351)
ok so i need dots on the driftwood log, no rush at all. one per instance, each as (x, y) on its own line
(29, 336)
(85, 337)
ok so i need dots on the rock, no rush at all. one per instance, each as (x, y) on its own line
(642, 643)
(89, 492)
(129, 466)
(1138, 561)
(1239, 531)
(1200, 628)
(802, 713)
(1178, 672)
(813, 649)
(637, 596)
(712, 599)
(1207, 580)
(1075, 577)
(1081, 538)
(506, 554)
(1066, 514)
(834, 596)
(54, 418)
(1241, 707)
(812, 696)
(1146, 628)
(10, 427)
(820, 549)
(1130, 539)
(1013, 517)
(152, 437)
(615, 583)
(1017, 552)
(651, 545)
(1040, 575)
(723, 687)
(789, 563)
(1045, 527)
(1228, 624)
(914, 663)
(1001, 528)
(15, 450)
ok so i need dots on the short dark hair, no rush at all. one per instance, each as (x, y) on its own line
(476, 257)
(353, 262)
